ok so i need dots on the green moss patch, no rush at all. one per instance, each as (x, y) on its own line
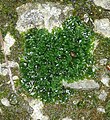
(50, 58)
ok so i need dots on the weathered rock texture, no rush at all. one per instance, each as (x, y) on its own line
(103, 3)
(82, 85)
(47, 15)
(102, 26)
(4, 68)
(37, 106)
(5, 102)
(102, 95)
(67, 118)
(8, 43)
(105, 80)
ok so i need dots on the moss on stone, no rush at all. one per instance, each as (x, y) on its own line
(9, 6)
(49, 58)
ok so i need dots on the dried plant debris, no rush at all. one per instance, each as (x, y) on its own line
(103, 3)
(50, 58)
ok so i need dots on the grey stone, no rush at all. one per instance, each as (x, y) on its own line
(46, 15)
(103, 3)
(4, 68)
(102, 95)
(8, 43)
(103, 61)
(101, 109)
(67, 118)
(105, 80)
(5, 102)
(102, 26)
(37, 106)
(82, 85)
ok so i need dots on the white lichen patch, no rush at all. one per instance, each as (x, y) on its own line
(105, 80)
(67, 118)
(102, 26)
(8, 43)
(102, 95)
(4, 67)
(3, 71)
(103, 61)
(46, 15)
(82, 85)
(86, 18)
(37, 106)
(103, 3)
(5, 102)
(15, 77)
(101, 109)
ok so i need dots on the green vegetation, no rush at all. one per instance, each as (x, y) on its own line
(49, 58)
(85, 106)
(108, 110)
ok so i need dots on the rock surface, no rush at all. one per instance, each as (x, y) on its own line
(47, 15)
(4, 68)
(102, 26)
(37, 106)
(67, 118)
(103, 61)
(102, 95)
(105, 80)
(8, 43)
(103, 3)
(101, 109)
(82, 85)
(5, 102)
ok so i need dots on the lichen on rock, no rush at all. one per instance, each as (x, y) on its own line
(102, 26)
(103, 3)
(37, 106)
(4, 69)
(42, 15)
(8, 43)
(82, 85)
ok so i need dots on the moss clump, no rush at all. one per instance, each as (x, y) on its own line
(65, 54)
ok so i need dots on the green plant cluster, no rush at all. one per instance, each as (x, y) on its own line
(65, 54)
